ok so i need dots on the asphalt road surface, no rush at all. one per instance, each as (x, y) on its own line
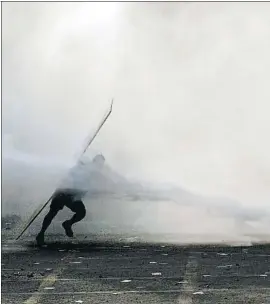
(126, 271)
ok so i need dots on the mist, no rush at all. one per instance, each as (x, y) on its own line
(190, 83)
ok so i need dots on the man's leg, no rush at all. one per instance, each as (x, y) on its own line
(46, 223)
(57, 204)
(80, 212)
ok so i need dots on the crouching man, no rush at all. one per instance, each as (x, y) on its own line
(63, 198)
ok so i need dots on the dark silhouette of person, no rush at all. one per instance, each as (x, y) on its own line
(69, 198)
(78, 180)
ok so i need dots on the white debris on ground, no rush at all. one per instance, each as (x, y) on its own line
(125, 281)
(198, 293)
(156, 273)
(222, 254)
(152, 262)
(224, 266)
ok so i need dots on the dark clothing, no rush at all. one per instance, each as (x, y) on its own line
(62, 199)
(59, 201)
(68, 199)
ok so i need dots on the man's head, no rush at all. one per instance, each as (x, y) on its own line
(99, 160)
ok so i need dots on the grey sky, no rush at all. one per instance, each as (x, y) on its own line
(190, 81)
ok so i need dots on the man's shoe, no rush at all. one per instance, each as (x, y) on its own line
(66, 225)
(40, 239)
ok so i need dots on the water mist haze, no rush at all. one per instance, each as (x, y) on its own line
(187, 139)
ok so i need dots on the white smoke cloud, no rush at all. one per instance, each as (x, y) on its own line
(190, 82)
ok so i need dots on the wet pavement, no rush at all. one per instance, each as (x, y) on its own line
(134, 272)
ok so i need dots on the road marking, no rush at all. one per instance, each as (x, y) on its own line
(116, 258)
(97, 292)
(47, 282)
(106, 259)
(153, 278)
(13, 269)
(205, 291)
(189, 277)
(117, 267)
(138, 278)
(230, 253)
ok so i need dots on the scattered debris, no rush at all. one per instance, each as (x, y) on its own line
(48, 269)
(10, 221)
(8, 226)
(152, 262)
(156, 273)
(49, 288)
(198, 293)
(223, 254)
(131, 239)
(125, 281)
(225, 266)
(79, 301)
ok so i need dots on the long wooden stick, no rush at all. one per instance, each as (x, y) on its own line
(84, 150)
